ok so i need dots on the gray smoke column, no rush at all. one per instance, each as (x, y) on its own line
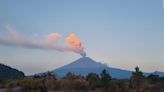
(13, 38)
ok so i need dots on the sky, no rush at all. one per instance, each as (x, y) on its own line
(120, 33)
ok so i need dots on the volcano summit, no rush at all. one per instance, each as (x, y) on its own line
(86, 65)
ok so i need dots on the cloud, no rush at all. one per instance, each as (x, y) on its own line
(162, 3)
(54, 36)
(13, 38)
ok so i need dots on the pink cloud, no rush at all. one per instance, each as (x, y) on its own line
(54, 36)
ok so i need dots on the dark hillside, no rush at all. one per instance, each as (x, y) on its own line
(8, 73)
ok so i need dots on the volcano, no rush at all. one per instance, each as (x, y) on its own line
(86, 65)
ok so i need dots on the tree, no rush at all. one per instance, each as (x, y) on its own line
(105, 79)
(50, 81)
(137, 80)
(153, 78)
(73, 83)
(70, 76)
(138, 72)
(94, 80)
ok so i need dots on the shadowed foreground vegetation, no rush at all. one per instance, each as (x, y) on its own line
(91, 83)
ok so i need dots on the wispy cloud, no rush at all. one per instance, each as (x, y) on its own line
(162, 3)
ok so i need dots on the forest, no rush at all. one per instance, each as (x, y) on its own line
(93, 82)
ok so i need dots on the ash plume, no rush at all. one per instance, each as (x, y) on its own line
(50, 41)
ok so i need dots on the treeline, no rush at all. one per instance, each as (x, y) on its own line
(93, 82)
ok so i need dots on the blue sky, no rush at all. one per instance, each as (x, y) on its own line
(120, 33)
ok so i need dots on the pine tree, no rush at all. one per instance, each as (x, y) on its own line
(137, 80)
(94, 80)
(105, 79)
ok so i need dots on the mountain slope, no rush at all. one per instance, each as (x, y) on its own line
(8, 73)
(84, 62)
(158, 73)
(85, 65)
